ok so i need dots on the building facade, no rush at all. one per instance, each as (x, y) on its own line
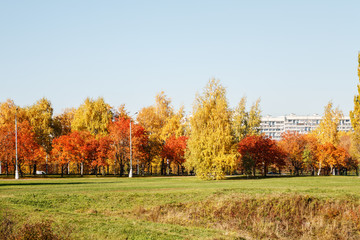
(274, 127)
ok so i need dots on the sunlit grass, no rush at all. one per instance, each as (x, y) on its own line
(105, 208)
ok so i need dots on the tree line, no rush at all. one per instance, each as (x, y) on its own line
(212, 142)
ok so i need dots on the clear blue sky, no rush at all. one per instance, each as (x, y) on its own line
(294, 55)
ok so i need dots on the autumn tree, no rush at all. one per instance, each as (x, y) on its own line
(40, 117)
(120, 137)
(355, 118)
(260, 152)
(254, 118)
(294, 144)
(62, 151)
(246, 123)
(310, 153)
(8, 110)
(210, 150)
(327, 131)
(29, 151)
(62, 122)
(240, 120)
(7, 145)
(104, 153)
(93, 116)
(174, 151)
(161, 122)
(347, 142)
(7, 121)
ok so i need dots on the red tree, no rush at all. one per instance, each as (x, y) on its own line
(259, 152)
(120, 135)
(174, 151)
(29, 152)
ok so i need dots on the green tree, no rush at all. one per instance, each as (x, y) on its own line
(93, 116)
(211, 151)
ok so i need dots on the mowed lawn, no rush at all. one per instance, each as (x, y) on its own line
(112, 208)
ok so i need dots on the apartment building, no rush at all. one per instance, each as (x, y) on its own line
(274, 126)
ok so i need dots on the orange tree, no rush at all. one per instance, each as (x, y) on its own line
(29, 151)
(62, 151)
(310, 154)
(7, 145)
(293, 144)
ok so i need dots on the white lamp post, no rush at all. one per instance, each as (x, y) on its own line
(16, 150)
(131, 170)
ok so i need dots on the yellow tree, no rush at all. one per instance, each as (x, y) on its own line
(40, 116)
(174, 126)
(240, 120)
(246, 123)
(210, 151)
(254, 119)
(7, 112)
(161, 122)
(93, 116)
(355, 119)
(327, 131)
(62, 122)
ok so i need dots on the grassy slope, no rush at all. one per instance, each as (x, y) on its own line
(103, 208)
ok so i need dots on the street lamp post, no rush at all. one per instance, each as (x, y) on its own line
(131, 170)
(16, 151)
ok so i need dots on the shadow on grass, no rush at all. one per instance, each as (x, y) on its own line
(242, 177)
(49, 183)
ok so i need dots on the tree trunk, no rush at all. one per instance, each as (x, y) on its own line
(21, 172)
(319, 169)
(46, 163)
(82, 169)
(34, 169)
(162, 167)
(0, 168)
(121, 169)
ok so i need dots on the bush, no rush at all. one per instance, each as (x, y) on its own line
(266, 217)
(28, 231)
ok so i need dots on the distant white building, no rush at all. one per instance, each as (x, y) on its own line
(274, 126)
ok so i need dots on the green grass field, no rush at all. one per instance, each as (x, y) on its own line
(123, 208)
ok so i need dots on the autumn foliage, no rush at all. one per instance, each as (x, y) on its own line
(259, 153)
(213, 142)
